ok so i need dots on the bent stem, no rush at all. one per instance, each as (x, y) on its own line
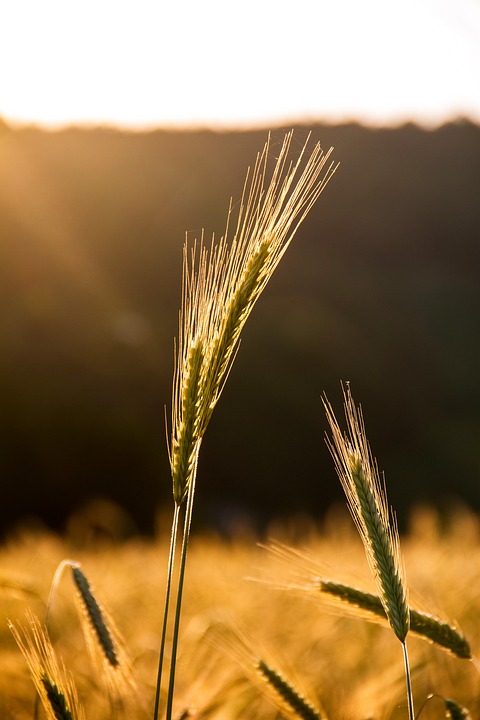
(411, 710)
(171, 562)
(181, 578)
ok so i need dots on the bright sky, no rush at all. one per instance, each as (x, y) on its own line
(140, 63)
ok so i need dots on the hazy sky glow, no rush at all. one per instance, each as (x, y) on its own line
(141, 63)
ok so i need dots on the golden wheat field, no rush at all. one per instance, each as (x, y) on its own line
(244, 603)
(314, 622)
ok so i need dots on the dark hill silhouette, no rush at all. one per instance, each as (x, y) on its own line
(381, 287)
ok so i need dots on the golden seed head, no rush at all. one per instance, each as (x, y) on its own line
(221, 285)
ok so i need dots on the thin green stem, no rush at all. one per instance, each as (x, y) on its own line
(51, 599)
(411, 710)
(181, 579)
(171, 562)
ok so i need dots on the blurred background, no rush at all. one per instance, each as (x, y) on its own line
(127, 125)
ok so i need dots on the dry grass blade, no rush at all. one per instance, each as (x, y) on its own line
(55, 688)
(221, 285)
(367, 502)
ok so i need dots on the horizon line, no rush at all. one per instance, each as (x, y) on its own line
(241, 126)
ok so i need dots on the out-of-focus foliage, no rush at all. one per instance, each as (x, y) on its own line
(381, 287)
(350, 667)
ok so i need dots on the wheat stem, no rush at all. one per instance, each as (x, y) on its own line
(408, 680)
(171, 561)
(220, 287)
(178, 606)
(54, 586)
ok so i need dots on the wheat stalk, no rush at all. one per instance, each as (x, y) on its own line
(367, 501)
(366, 497)
(220, 287)
(55, 688)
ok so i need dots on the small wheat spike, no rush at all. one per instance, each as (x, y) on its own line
(367, 501)
(422, 624)
(454, 711)
(95, 616)
(56, 698)
(55, 688)
(301, 707)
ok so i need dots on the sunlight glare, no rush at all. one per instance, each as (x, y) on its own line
(153, 63)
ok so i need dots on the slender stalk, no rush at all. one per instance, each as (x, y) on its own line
(53, 588)
(367, 501)
(171, 563)
(220, 286)
(50, 602)
(181, 580)
(411, 710)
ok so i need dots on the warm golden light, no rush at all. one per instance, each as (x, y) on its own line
(149, 63)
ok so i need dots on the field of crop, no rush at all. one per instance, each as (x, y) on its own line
(313, 623)
(347, 666)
